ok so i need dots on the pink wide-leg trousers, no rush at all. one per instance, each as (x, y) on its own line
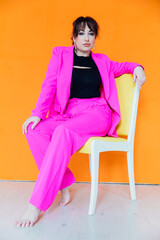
(55, 139)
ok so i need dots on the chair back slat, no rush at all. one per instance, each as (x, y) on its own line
(125, 89)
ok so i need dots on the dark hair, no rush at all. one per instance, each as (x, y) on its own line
(81, 23)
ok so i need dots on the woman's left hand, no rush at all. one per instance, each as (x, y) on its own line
(139, 76)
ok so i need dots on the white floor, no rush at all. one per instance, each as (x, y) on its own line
(116, 217)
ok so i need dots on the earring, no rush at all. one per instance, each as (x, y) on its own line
(75, 46)
(94, 47)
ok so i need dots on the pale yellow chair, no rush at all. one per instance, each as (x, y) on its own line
(128, 94)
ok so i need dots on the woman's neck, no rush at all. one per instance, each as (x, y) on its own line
(82, 54)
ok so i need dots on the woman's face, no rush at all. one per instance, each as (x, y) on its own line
(85, 40)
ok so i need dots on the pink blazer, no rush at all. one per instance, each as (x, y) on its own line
(55, 90)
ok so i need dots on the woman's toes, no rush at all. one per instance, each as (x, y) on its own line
(31, 224)
(23, 223)
(62, 203)
(28, 223)
(29, 218)
(19, 224)
(16, 223)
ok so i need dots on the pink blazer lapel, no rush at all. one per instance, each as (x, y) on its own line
(102, 67)
(64, 82)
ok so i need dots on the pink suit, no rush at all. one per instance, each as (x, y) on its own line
(70, 123)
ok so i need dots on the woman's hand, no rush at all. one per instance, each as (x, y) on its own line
(139, 76)
(33, 119)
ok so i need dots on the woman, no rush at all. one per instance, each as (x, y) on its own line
(79, 92)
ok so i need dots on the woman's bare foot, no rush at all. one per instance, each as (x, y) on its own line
(29, 218)
(65, 197)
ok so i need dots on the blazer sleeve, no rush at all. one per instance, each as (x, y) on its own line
(123, 67)
(48, 88)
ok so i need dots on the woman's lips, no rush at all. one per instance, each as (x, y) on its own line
(86, 45)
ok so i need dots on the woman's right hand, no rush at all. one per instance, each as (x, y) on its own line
(33, 119)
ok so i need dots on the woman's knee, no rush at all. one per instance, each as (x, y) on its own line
(43, 128)
(31, 131)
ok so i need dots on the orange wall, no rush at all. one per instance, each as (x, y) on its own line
(129, 31)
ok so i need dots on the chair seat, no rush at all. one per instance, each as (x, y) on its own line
(87, 146)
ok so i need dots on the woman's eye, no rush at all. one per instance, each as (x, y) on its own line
(82, 33)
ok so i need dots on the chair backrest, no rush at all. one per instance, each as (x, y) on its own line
(128, 95)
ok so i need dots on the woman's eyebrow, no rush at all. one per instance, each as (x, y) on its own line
(83, 30)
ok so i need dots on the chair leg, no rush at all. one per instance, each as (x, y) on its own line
(90, 165)
(94, 169)
(131, 174)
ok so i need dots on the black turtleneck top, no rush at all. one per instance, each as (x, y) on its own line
(85, 81)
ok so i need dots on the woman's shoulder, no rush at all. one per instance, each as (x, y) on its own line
(62, 49)
(101, 56)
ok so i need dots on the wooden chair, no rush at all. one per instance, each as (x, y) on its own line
(128, 94)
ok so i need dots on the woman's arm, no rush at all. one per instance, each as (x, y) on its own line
(128, 67)
(48, 88)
